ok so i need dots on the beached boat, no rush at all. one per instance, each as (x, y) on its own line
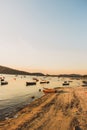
(30, 83)
(49, 90)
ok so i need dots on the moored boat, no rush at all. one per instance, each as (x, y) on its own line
(36, 79)
(65, 83)
(85, 82)
(30, 83)
(42, 82)
(4, 82)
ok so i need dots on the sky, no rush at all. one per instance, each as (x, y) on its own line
(48, 36)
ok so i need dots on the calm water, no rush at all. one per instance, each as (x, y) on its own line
(16, 94)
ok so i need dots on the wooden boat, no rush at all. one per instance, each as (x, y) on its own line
(2, 78)
(4, 82)
(70, 81)
(42, 82)
(65, 83)
(84, 85)
(35, 79)
(85, 82)
(47, 90)
(30, 83)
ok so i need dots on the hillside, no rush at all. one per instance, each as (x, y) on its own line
(7, 70)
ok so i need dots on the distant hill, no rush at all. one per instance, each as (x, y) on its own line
(7, 70)
(72, 75)
(69, 75)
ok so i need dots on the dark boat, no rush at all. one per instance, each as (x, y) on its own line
(70, 81)
(65, 83)
(4, 82)
(35, 79)
(2, 78)
(48, 82)
(84, 85)
(42, 82)
(85, 82)
(30, 83)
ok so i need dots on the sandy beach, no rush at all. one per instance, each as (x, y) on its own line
(64, 110)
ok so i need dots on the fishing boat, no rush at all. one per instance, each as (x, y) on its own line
(49, 90)
(65, 83)
(4, 82)
(85, 82)
(42, 82)
(30, 83)
(35, 79)
(2, 78)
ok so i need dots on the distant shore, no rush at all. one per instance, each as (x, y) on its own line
(7, 70)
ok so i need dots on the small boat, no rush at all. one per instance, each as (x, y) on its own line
(4, 82)
(42, 82)
(70, 81)
(65, 83)
(35, 79)
(85, 82)
(2, 78)
(84, 85)
(30, 83)
(49, 90)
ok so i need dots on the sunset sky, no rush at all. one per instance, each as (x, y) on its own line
(48, 36)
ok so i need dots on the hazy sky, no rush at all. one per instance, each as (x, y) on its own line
(44, 35)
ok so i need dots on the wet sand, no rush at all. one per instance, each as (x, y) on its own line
(64, 110)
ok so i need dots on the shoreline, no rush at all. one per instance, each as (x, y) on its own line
(11, 112)
(60, 111)
(28, 108)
